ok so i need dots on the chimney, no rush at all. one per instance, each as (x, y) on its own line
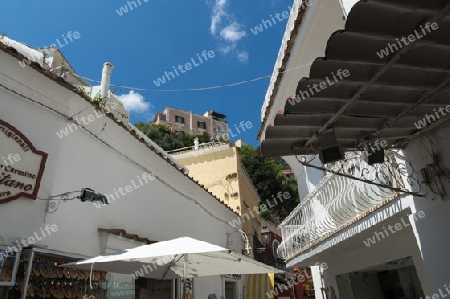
(106, 78)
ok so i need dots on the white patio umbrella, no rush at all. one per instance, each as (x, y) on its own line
(183, 257)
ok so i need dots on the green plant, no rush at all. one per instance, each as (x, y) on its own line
(309, 288)
(168, 140)
(124, 115)
(97, 99)
(266, 175)
(101, 101)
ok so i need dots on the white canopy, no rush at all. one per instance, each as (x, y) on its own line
(182, 257)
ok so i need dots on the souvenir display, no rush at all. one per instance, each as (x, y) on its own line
(48, 280)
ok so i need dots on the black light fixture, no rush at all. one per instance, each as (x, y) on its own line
(88, 194)
(330, 150)
(374, 157)
(265, 235)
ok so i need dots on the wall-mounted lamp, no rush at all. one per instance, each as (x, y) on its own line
(265, 236)
(247, 248)
(85, 194)
(374, 157)
(330, 150)
(88, 194)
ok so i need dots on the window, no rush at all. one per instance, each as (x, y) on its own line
(162, 117)
(220, 129)
(179, 119)
(275, 245)
(201, 125)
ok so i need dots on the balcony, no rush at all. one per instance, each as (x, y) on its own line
(339, 201)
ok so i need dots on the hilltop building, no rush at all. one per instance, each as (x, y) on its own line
(212, 122)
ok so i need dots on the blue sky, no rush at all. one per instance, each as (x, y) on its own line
(150, 39)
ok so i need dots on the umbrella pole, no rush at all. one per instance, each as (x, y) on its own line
(184, 278)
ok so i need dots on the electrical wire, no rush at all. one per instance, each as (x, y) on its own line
(60, 195)
(431, 151)
(197, 88)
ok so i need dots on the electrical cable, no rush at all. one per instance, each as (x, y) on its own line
(198, 88)
(60, 195)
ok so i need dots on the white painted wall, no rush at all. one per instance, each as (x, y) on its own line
(307, 178)
(321, 20)
(353, 256)
(165, 208)
(432, 232)
(310, 43)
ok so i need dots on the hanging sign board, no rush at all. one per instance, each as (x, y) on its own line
(21, 165)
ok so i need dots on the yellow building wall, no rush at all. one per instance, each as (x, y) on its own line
(211, 170)
(248, 197)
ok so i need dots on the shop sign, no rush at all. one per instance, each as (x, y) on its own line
(122, 290)
(234, 276)
(21, 165)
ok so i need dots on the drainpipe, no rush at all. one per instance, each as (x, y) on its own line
(106, 78)
(190, 116)
(212, 130)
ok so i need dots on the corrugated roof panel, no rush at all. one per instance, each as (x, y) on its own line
(383, 42)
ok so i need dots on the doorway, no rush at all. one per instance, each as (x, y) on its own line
(230, 290)
(154, 289)
(392, 280)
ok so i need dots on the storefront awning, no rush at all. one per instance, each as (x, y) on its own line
(397, 88)
(260, 286)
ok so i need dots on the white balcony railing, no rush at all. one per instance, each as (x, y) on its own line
(339, 201)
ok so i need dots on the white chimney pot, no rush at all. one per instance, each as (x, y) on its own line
(106, 79)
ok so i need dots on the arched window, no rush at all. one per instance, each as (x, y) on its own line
(275, 245)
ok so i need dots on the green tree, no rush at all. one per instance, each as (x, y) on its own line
(269, 181)
(163, 136)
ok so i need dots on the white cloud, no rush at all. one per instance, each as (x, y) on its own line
(242, 57)
(232, 32)
(134, 102)
(218, 12)
(227, 30)
(226, 49)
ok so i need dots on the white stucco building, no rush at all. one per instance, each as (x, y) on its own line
(42, 171)
(381, 228)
